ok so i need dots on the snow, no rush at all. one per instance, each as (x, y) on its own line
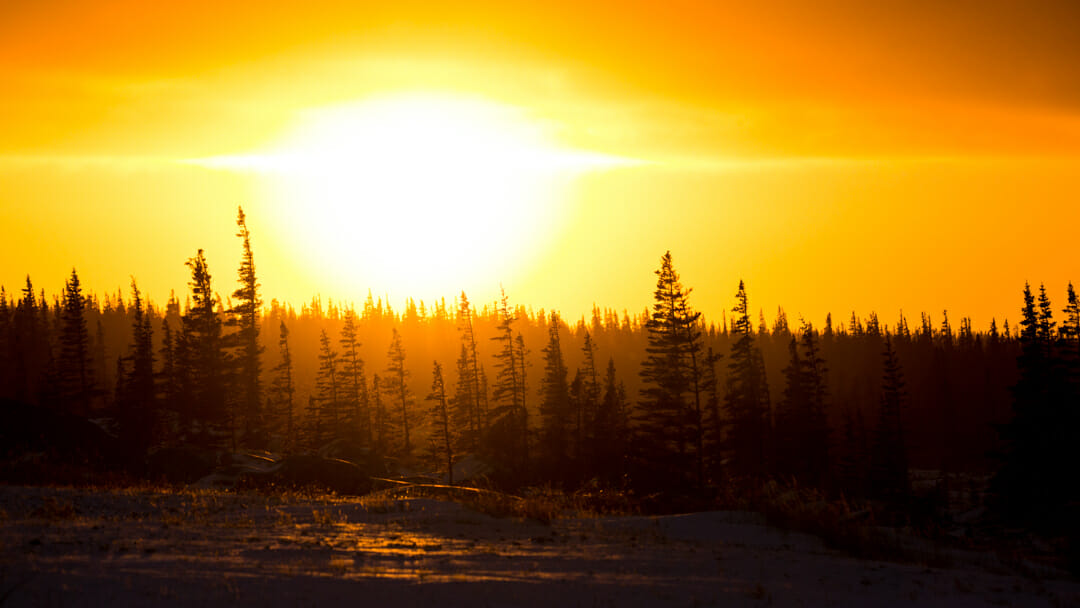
(79, 547)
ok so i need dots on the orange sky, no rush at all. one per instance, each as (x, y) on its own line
(837, 156)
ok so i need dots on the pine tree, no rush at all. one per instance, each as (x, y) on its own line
(1038, 483)
(463, 404)
(283, 388)
(441, 439)
(204, 361)
(670, 427)
(889, 468)
(138, 401)
(554, 404)
(245, 316)
(590, 396)
(511, 442)
(328, 385)
(747, 399)
(395, 369)
(74, 365)
(355, 383)
(469, 365)
(611, 427)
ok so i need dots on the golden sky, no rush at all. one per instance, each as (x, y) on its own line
(835, 155)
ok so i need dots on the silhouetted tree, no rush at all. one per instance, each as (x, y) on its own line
(670, 431)
(508, 436)
(442, 445)
(203, 359)
(469, 397)
(245, 316)
(284, 389)
(1038, 483)
(889, 465)
(138, 395)
(554, 405)
(747, 400)
(353, 374)
(396, 370)
(328, 384)
(74, 365)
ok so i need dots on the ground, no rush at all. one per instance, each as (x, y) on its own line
(81, 547)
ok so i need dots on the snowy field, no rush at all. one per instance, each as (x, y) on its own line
(70, 547)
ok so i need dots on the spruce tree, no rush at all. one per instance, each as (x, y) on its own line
(554, 404)
(1038, 484)
(670, 424)
(352, 372)
(889, 467)
(74, 365)
(510, 444)
(395, 369)
(611, 427)
(328, 385)
(138, 400)
(245, 316)
(442, 444)
(204, 360)
(469, 365)
(747, 399)
(283, 387)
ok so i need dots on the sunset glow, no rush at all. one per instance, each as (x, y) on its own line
(420, 193)
(789, 146)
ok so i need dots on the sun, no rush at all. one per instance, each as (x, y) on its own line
(419, 194)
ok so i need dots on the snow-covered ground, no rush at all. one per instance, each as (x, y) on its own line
(74, 547)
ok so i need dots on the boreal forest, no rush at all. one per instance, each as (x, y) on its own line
(664, 407)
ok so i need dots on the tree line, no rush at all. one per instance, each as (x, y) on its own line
(660, 400)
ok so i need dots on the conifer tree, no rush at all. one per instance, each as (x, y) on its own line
(889, 468)
(510, 414)
(74, 363)
(203, 359)
(747, 399)
(328, 384)
(442, 443)
(670, 427)
(590, 393)
(611, 427)
(1038, 483)
(469, 365)
(283, 387)
(138, 397)
(245, 316)
(463, 404)
(554, 404)
(355, 383)
(395, 369)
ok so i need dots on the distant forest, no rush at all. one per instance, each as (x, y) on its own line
(656, 401)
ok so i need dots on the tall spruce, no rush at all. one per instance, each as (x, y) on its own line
(395, 370)
(1038, 484)
(469, 373)
(670, 422)
(205, 361)
(554, 405)
(747, 398)
(284, 390)
(245, 316)
(74, 365)
(138, 397)
(328, 385)
(510, 442)
(441, 440)
(352, 371)
(889, 464)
